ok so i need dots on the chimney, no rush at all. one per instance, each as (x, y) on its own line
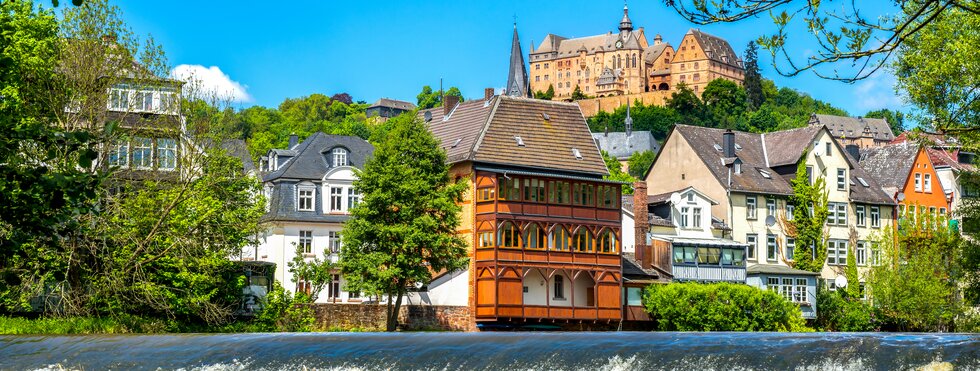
(448, 104)
(641, 224)
(729, 143)
(293, 140)
(488, 93)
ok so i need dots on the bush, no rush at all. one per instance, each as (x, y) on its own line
(720, 307)
(838, 313)
(79, 325)
(282, 312)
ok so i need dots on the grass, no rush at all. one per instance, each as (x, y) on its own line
(77, 325)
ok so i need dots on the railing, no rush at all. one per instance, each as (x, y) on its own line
(709, 273)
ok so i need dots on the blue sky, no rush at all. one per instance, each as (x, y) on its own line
(373, 49)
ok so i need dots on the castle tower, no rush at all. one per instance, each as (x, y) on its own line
(625, 25)
(517, 77)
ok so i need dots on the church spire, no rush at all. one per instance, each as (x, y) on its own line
(517, 77)
(625, 24)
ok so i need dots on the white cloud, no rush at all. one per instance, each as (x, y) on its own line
(875, 92)
(210, 82)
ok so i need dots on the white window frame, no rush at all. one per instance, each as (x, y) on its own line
(753, 246)
(751, 209)
(696, 217)
(860, 215)
(790, 248)
(918, 182)
(119, 155)
(789, 211)
(927, 183)
(306, 241)
(841, 179)
(353, 197)
(682, 218)
(143, 146)
(339, 157)
(861, 253)
(771, 207)
(836, 250)
(301, 196)
(166, 153)
(334, 242)
(772, 247)
(336, 197)
(875, 217)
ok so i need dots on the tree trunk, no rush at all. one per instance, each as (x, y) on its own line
(393, 309)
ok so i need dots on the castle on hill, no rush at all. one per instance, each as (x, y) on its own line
(624, 63)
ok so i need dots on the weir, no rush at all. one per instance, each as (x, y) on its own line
(495, 351)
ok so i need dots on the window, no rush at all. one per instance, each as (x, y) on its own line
(333, 288)
(809, 174)
(861, 253)
(119, 99)
(167, 153)
(772, 248)
(685, 254)
(827, 147)
(304, 199)
(560, 239)
(145, 100)
(859, 214)
(510, 189)
(837, 252)
(751, 241)
(683, 217)
(583, 194)
(582, 241)
(875, 255)
(168, 102)
(733, 256)
(303, 286)
(336, 196)
(789, 211)
(927, 183)
(353, 197)
(709, 255)
(142, 152)
(306, 241)
(559, 287)
(508, 235)
(836, 213)
(486, 239)
(485, 194)
(918, 182)
(609, 197)
(771, 207)
(942, 211)
(533, 190)
(119, 154)
(875, 217)
(607, 241)
(790, 248)
(536, 237)
(841, 179)
(750, 207)
(339, 157)
(333, 241)
(558, 192)
(696, 217)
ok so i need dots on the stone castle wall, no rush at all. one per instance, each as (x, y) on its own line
(590, 107)
(410, 318)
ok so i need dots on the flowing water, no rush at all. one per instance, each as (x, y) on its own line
(494, 351)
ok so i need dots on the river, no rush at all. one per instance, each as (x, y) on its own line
(494, 351)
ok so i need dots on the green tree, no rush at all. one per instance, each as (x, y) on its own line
(720, 307)
(896, 119)
(314, 271)
(938, 71)
(809, 216)
(428, 98)
(853, 289)
(687, 105)
(658, 120)
(754, 96)
(616, 173)
(577, 93)
(726, 102)
(762, 120)
(549, 94)
(639, 163)
(404, 228)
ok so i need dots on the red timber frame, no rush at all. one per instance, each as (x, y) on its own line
(502, 273)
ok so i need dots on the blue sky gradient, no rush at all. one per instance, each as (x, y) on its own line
(374, 49)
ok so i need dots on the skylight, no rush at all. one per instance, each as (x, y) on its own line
(717, 147)
(765, 174)
(546, 116)
(520, 142)
(738, 147)
(456, 143)
(578, 155)
(864, 183)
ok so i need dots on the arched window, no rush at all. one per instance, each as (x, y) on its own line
(339, 157)
(634, 60)
(559, 239)
(536, 237)
(607, 241)
(582, 241)
(508, 235)
(619, 61)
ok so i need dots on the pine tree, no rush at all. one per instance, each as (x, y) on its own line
(753, 78)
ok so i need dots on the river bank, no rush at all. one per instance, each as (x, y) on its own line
(492, 351)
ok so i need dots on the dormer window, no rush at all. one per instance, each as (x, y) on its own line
(339, 157)
(738, 167)
(304, 199)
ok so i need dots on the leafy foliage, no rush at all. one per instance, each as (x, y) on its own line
(639, 163)
(314, 271)
(809, 216)
(616, 173)
(836, 311)
(428, 98)
(548, 95)
(720, 307)
(404, 228)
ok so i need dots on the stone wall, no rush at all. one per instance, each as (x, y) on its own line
(590, 107)
(410, 318)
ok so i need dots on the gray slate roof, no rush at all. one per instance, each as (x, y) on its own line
(393, 103)
(312, 156)
(889, 165)
(622, 146)
(784, 149)
(854, 127)
(777, 269)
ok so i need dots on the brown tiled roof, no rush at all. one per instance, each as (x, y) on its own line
(549, 130)
(854, 127)
(783, 148)
(716, 48)
(889, 165)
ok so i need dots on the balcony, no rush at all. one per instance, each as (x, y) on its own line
(712, 273)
